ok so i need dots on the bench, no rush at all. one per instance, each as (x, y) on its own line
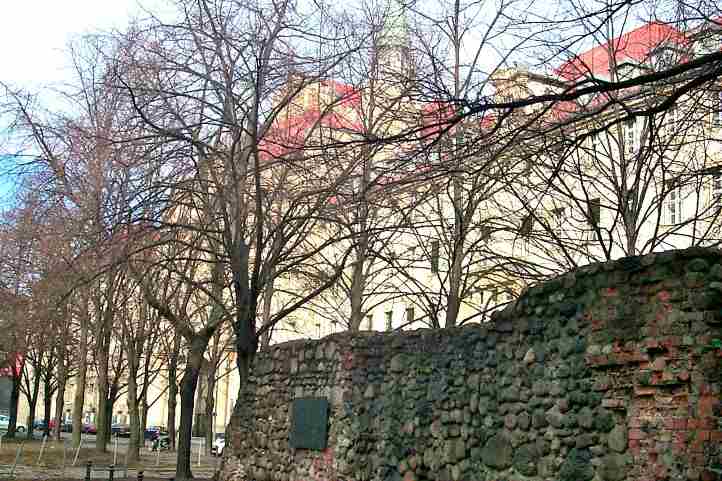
(115, 471)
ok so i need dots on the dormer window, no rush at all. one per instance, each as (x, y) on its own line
(664, 57)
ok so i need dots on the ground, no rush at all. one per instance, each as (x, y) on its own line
(57, 458)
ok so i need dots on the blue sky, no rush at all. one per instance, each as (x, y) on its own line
(33, 39)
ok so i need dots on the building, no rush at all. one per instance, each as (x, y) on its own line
(596, 178)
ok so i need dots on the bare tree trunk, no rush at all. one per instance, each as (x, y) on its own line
(144, 412)
(453, 300)
(14, 401)
(110, 405)
(79, 396)
(33, 404)
(210, 403)
(47, 404)
(62, 381)
(173, 389)
(103, 420)
(267, 298)
(188, 392)
(357, 285)
(60, 399)
(133, 411)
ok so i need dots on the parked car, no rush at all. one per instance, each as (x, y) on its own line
(5, 424)
(39, 425)
(66, 427)
(218, 444)
(121, 430)
(152, 432)
(89, 428)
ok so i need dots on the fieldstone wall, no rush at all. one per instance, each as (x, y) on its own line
(607, 373)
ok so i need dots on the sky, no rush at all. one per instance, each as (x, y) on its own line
(34, 33)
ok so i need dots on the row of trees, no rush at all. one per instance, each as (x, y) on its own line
(214, 173)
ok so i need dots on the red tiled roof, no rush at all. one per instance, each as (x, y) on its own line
(636, 45)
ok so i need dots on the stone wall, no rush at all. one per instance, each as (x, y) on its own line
(602, 374)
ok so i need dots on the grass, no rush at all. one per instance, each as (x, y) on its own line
(57, 454)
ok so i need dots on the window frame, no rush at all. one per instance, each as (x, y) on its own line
(673, 208)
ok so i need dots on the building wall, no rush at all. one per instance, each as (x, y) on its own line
(603, 373)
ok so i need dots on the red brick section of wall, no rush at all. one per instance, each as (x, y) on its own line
(606, 373)
(667, 385)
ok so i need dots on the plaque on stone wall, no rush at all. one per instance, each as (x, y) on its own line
(6, 387)
(309, 423)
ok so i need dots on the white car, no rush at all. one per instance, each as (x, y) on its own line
(218, 445)
(5, 422)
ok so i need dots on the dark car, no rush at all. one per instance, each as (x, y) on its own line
(66, 427)
(40, 425)
(121, 430)
(152, 432)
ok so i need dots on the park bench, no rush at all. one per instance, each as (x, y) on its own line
(110, 472)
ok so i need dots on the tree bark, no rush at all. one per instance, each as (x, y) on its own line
(33, 404)
(210, 403)
(357, 287)
(173, 389)
(62, 381)
(14, 401)
(60, 402)
(79, 396)
(267, 299)
(133, 411)
(110, 405)
(188, 392)
(102, 421)
(47, 404)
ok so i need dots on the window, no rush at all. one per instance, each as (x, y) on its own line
(389, 317)
(528, 165)
(716, 108)
(527, 226)
(630, 135)
(558, 216)
(369, 322)
(410, 314)
(480, 294)
(485, 233)
(594, 211)
(673, 204)
(494, 296)
(435, 256)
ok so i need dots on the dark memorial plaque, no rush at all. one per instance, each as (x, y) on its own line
(6, 387)
(309, 423)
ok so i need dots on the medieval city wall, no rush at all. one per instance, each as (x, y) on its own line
(606, 373)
